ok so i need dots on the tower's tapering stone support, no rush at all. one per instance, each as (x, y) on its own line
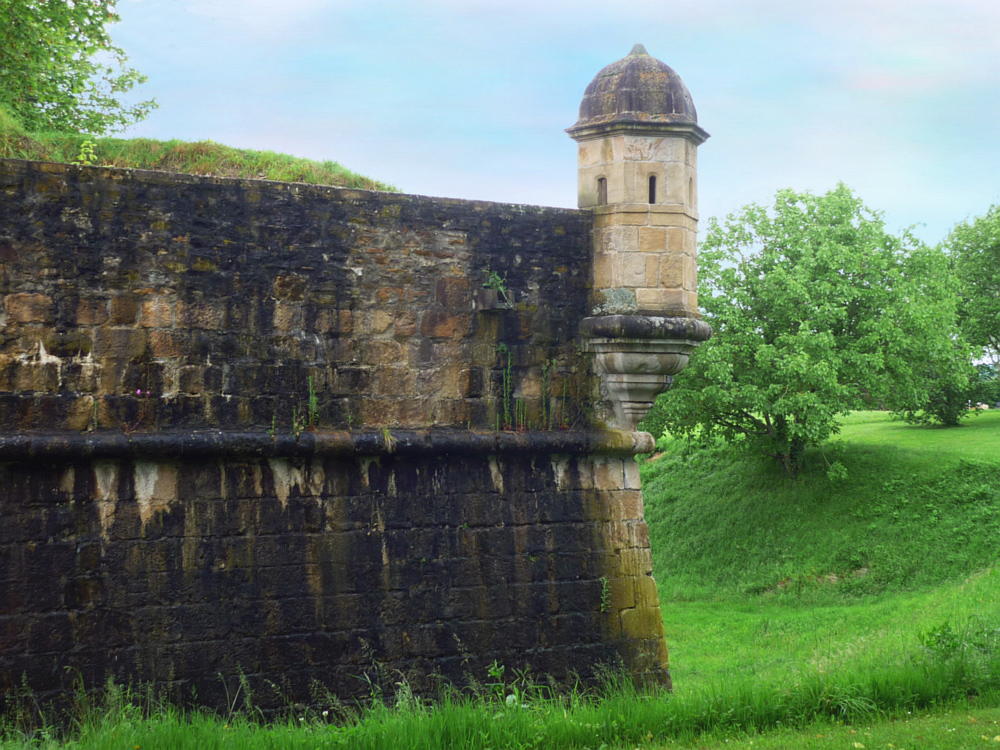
(638, 137)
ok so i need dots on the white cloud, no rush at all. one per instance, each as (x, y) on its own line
(266, 18)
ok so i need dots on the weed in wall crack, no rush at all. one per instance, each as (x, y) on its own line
(497, 283)
(299, 422)
(504, 351)
(547, 368)
(605, 594)
(313, 406)
(390, 441)
(85, 156)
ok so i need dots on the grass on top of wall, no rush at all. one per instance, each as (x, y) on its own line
(198, 158)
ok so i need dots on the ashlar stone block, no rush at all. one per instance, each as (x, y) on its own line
(653, 239)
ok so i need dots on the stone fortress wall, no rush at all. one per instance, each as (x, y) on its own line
(309, 435)
(285, 429)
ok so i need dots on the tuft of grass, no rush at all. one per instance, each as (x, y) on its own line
(200, 158)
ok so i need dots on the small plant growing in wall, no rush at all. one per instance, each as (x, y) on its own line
(547, 367)
(299, 422)
(497, 283)
(313, 407)
(605, 594)
(514, 414)
(85, 157)
(307, 419)
(495, 294)
(508, 384)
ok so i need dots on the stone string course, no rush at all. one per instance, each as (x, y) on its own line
(249, 426)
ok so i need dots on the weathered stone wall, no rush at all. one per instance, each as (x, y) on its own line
(283, 429)
(144, 299)
(303, 570)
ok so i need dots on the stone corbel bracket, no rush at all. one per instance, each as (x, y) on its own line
(636, 357)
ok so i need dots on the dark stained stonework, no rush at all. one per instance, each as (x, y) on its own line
(303, 570)
(62, 446)
(271, 428)
(150, 300)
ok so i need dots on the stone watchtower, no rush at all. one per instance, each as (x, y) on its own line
(638, 137)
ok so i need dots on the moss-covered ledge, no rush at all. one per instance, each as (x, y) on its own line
(63, 446)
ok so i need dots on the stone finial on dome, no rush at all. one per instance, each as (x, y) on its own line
(637, 92)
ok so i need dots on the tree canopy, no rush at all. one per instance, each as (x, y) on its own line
(974, 247)
(60, 70)
(817, 310)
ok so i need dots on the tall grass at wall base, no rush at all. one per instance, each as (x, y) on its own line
(199, 158)
(615, 715)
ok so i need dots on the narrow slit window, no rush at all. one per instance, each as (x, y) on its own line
(652, 188)
(602, 191)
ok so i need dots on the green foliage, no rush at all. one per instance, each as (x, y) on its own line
(86, 155)
(497, 283)
(313, 405)
(985, 385)
(60, 70)
(200, 157)
(974, 247)
(817, 310)
(948, 391)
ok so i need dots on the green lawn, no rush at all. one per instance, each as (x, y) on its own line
(958, 727)
(767, 580)
(977, 437)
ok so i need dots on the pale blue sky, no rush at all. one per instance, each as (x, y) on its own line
(900, 99)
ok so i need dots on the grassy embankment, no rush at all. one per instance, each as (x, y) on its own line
(777, 583)
(859, 613)
(200, 158)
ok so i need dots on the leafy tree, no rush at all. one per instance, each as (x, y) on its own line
(59, 69)
(817, 310)
(950, 385)
(975, 250)
(985, 385)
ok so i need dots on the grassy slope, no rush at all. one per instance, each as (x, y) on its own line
(920, 506)
(201, 158)
(767, 581)
(951, 728)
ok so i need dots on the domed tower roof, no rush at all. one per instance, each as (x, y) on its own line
(637, 93)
